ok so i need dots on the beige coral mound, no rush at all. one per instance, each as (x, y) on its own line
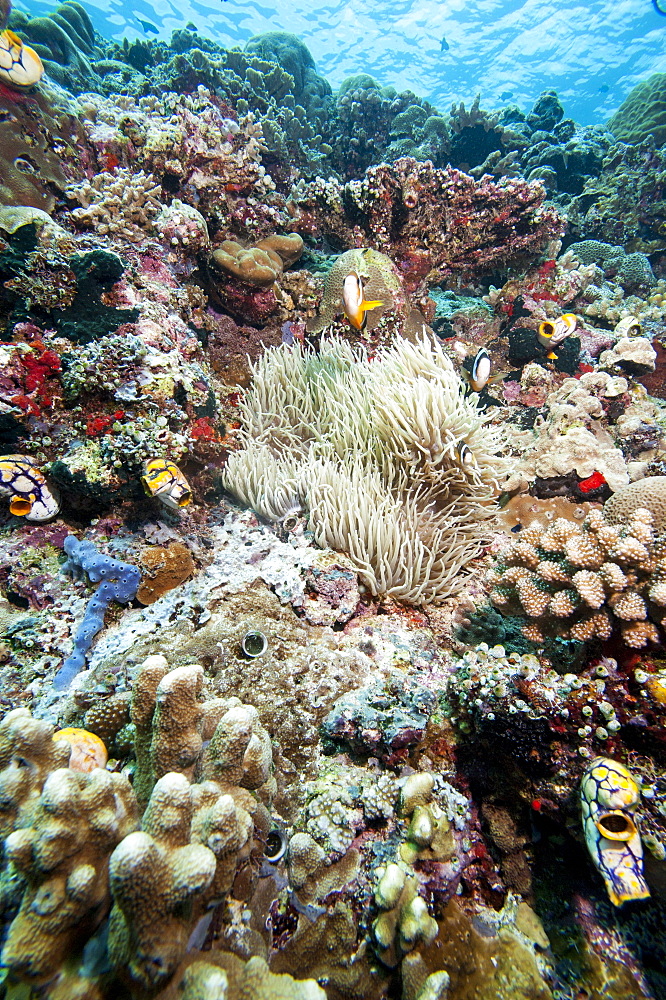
(371, 449)
(123, 204)
(585, 582)
(649, 493)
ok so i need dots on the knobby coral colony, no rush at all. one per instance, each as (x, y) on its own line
(333, 584)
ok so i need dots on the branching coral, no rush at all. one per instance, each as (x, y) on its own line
(124, 204)
(583, 582)
(191, 145)
(371, 450)
(63, 855)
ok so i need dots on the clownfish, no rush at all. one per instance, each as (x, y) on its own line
(29, 493)
(608, 794)
(554, 331)
(164, 480)
(355, 305)
(20, 66)
(479, 376)
(465, 455)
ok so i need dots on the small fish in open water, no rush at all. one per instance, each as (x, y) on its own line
(148, 28)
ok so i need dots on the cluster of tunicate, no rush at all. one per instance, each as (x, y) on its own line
(103, 365)
(181, 225)
(489, 684)
(141, 438)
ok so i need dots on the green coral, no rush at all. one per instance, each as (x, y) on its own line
(642, 113)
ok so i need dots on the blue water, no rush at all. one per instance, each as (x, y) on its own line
(495, 46)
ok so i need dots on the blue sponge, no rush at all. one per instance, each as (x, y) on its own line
(119, 582)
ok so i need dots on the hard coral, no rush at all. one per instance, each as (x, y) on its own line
(262, 264)
(649, 493)
(172, 724)
(585, 582)
(65, 41)
(157, 876)
(435, 222)
(63, 856)
(641, 114)
(38, 135)
(123, 204)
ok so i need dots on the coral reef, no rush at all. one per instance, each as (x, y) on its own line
(641, 113)
(366, 645)
(124, 203)
(435, 222)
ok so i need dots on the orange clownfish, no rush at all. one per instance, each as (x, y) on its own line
(554, 331)
(356, 306)
(20, 66)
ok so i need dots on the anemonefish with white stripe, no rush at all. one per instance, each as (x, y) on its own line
(478, 377)
(355, 304)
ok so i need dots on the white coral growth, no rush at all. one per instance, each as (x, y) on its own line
(371, 449)
(123, 204)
